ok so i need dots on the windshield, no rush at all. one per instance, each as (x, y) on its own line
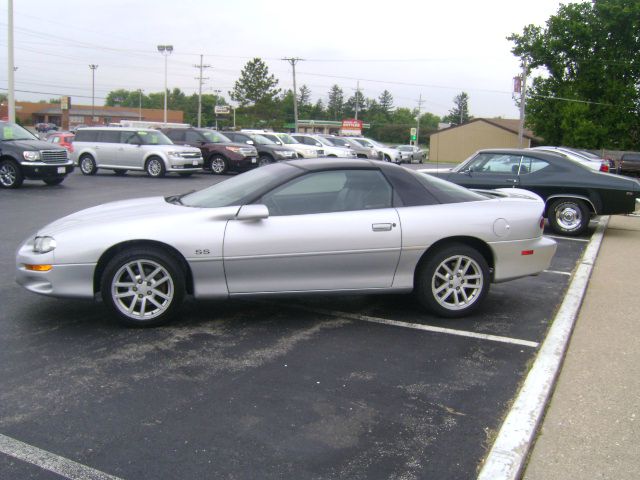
(11, 131)
(260, 140)
(242, 188)
(287, 139)
(154, 138)
(214, 137)
(405, 148)
(338, 142)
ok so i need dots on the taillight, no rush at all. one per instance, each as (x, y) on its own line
(541, 223)
(604, 167)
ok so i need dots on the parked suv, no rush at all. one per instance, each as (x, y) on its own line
(286, 140)
(268, 151)
(385, 152)
(121, 149)
(220, 154)
(330, 150)
(360, 150)
(629, 164)
(24, 156)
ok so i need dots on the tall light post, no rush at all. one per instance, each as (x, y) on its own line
(11, 99)
(293, 61)
(166, 51)
(93, 68)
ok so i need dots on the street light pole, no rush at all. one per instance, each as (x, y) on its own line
(166, 51)
(140, 104)
(93, 68)
(11, 100)
(293, 61)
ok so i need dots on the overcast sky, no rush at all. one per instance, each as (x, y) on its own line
(433, 48)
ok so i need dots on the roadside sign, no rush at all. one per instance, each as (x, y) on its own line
(222, 110)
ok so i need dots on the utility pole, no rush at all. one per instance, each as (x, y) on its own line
(522, 102)
(293, 61)
(93, 68)
(200, 80)
(357, 97)
(420, 101)
(165, 50)
(11, 99)
(140, 103)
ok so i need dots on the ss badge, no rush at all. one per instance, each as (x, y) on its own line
(203, 252)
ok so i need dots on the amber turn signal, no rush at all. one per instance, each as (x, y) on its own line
(38, 268)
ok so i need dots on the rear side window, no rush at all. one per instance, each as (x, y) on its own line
(531, 165)
(176, 135)
(192, 137)
(84, 135)
(109, 136)
(127, 137)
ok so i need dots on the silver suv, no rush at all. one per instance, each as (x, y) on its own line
(144, 149)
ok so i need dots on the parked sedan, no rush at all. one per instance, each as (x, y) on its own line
(573, 192)
(410, 153)
(295, 227)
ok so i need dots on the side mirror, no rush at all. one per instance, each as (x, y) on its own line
(250, 142)
(253, 212)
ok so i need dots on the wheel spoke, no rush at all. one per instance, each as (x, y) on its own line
(124, 294)
(160, 294)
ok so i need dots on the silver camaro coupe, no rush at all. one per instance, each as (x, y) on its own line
(296, 227)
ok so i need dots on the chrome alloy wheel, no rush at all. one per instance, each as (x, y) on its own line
(569, 216)
(87, 165)
(457, 282)
(154, 168)
(142, 289)
(217, 165)
(8, 174)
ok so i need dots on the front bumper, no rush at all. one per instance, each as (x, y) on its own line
(39, 170)
(180, 164)
(63, 280)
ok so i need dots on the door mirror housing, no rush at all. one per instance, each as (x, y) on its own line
(253, 212)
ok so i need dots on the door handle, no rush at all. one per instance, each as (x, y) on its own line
(382, 227)
(512, 180)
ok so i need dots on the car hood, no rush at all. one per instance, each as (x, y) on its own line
(130, 212)
(32, 145)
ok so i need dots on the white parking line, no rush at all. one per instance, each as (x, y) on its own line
(50, 461)
(559, 237)
(511, 448)
(558, 272)
(417, 326)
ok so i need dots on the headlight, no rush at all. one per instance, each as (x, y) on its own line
(31, 155)
(44, 244)
(174, 154)
(234, 149)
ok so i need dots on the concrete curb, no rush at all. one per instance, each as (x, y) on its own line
(511, 448)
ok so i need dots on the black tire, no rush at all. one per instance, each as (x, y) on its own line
(218, 165)
(118, 286)
(10, 174)
(568, 216)
(87, 165)
(452, 281)
(155, 167)
(387, 158)
(264, 160)
(53, 181)
(120, 172)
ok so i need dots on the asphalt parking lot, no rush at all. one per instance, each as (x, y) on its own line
(324, 387)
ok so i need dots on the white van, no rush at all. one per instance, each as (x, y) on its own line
(144, 149)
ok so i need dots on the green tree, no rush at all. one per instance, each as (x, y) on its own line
(385, 100)
(255, 85)
(358, 100)
(335, 106)
(590, 94)
(459, 114)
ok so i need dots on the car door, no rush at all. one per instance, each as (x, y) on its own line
(130, 151)
(107, 148)
(489, 170)
(332, 230)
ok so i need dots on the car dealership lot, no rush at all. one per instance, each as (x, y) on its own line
(322, 387)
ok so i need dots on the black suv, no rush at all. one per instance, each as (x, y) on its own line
(24, 156)
(219, 153)
(268, 151)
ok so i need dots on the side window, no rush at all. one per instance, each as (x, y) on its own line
(531, 165)
(83, 135)
(495, 163)
(242, 138)
(332, 191)
(55, 139)
(190, 137)
(127, 137)
(175, 135)
(109, 136)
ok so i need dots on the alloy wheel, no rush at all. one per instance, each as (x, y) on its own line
(457, 282)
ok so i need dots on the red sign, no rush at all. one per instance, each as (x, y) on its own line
(351, 124)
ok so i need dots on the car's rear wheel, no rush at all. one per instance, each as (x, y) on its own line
(218, 165)
(453, 280)
(88, 165)
(143, 287)
(53, 181)
(10, 174)
(155, 167)
(568, 216)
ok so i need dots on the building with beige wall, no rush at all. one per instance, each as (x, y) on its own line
(455, 144)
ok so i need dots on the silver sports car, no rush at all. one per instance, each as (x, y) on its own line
(296, 227)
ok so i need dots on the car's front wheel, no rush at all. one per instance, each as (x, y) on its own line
(264, 160)
(155, 167)
(88, 165)
(10, 174)
(568, 216)
(143, 287)
(453, 280)
(218, 165)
